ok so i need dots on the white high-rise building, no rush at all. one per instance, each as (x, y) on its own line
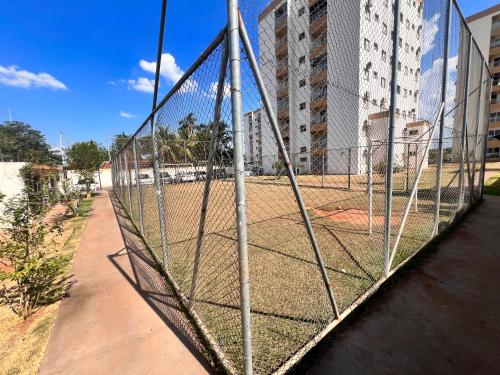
(327, 69)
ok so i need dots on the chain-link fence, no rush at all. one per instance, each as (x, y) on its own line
(285, 177)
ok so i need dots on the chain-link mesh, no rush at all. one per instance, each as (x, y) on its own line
(315, 226)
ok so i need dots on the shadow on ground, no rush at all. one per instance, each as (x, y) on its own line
(153, 288)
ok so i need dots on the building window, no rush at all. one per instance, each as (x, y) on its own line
(407, 47)
(303, 149)
(413, 132)
(399, 89)
(399, 65)
(302, 106)
(384, 28)
(303, 128)
(302, 36)
(302, 59)
(384, 55)
(383, 82)
(302, 10)
(408, 24)
(303, 159)
(375, 75)
(377, 18)
(302, 83)
(367, 44)
(367, 74)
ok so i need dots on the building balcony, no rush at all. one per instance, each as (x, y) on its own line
(319, 143)
(318, 123)
(318, 103)
(495, 68)
(495, 88)
(282, 68)
(495, 31)
(318, 47)
(282, 47)
(317, 22)
(282, 89)
(494, 51)
(318, 93)
(494, 107)
(280, 26)
(317, 72)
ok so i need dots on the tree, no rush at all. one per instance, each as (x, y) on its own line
(86, 158)
(118, 142)
(20, 142)
(32, 270)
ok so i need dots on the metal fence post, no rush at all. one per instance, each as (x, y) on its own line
(239, 179)
(370, 188)
(439, 165)
(288, 166)
(210, 167)
(471, 195)
(390, 142)
(349, 159)
(156, 156)
(129, 183)
(138, 186)
(461, 181)
(485, 146)
(416, 182)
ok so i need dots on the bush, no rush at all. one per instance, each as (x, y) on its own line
(32, 271)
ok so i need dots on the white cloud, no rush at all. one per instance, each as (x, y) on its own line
(212, 93)
(12, 76)
(190, 85)
(169, 69)
(430, 90)
(142, 84)
(430, 28)
(127, 115)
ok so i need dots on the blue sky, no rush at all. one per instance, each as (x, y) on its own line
(92, 52)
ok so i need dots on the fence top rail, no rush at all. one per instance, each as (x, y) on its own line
(211, 47)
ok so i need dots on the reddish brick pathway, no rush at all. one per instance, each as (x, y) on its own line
(108, 324)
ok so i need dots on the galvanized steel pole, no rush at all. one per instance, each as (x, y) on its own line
(370, 189)
(129, 183)
(210, 167)
(239, 179)
(471, 196)
(138, 186)
(439, 167)
(156, 156)
(288, 167)
(390, 141)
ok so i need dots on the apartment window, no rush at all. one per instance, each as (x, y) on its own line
(408, 24)
(400, 42)
(302, 36)
(407, 47)
(494, 116)
(374, 102)
(302, 59)
(303, 149)
(414, 132)
(406, 70)
(302, 10)
(384, 56)
(399, 65)
(377, 18)
(303, 159)
(303, 128)
(375, 46)
(302, 106)
(399, 89)
(383, 82)
(384, 29)
(405, 93)
(375, 75)
(367, 44)
(366, 74)
(302, 83)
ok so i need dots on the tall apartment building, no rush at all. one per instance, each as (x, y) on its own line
(253, 138)
(327, 70)
(485, 28)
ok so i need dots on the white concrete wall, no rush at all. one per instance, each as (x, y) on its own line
(11, 182)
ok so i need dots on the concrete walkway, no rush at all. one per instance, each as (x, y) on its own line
(439, 316)
(120, 317)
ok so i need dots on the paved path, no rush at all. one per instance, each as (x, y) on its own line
(440, 316)
(119, 318)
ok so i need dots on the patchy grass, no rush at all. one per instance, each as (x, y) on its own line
(492, 185)
(22, 343)
(289, 305)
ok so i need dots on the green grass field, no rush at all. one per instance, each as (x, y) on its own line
(287, 295)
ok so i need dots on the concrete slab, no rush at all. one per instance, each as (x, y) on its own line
(120, 317)
(439, 315)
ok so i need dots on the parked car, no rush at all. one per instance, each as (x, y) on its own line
(185, 177)
(144, 179)
(200, 175)
(81, 186)
(248, 173)
(166, 178)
